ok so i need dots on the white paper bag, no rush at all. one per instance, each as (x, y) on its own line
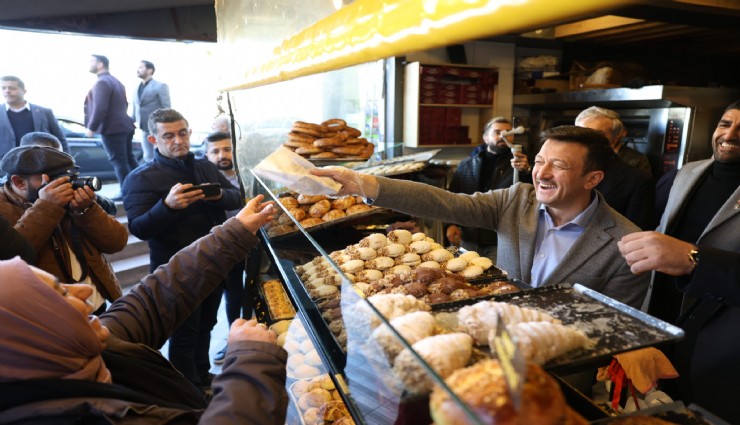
(293, 171)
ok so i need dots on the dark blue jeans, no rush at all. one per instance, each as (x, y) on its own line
(238, 296)
(120, 153)
(190, 342)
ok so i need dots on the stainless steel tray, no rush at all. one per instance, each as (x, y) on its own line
(615, 327)
(676, 413)
(349, 219)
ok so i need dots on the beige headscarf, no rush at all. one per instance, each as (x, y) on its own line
(41, 334)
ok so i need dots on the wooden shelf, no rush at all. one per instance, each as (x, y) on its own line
(454, 105)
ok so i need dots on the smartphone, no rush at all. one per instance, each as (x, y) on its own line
(209, 189)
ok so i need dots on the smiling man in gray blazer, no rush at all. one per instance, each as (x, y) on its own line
(559, 230)
(149, 96)
(18, 117)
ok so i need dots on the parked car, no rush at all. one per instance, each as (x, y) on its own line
(89, 153)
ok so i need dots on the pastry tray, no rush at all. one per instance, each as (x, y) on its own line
(613, 326)
(268, 313)
(676, 413)
(349, 219)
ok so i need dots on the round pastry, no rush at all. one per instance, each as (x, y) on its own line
(471, 272)
(400, 236)
(310, 199)
(469, 255)
(324, 155)
(280, 229)
(302, 387)
(333, 215)
(369, 275)
(392, 250)
(345, 150)
(333, 410)
(352, 266)
(343, 203)
(418, 236)
(329, 142)
(311, 150)
(288, 202)
(437, 255)
(429, 265)
(456, 264)
(312, 358)
(438, 297)
(314, 398)
(357, 208)
(374, 241)
(296, 144)
(380, 263)
(311, 416)
(484, 263)
(334, 124)
(352, 141)
(420, 247)
(301, 137)
(309, 128)
(320, 208)
(435, 245)
(363, 253)
(401, 269)
(416, 289)
(298, 213)
(352, 132)
(311, 221)
(283, 219)
(427, 275)
(295, 360)
(483, 388)
(409, 259)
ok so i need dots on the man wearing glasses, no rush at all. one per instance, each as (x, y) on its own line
(164, 210)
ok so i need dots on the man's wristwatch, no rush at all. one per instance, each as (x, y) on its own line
(694, 258)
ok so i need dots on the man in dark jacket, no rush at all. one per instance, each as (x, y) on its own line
(164, 211)
(106, 113)
(701, 219)
(488, 169)
(627, 188)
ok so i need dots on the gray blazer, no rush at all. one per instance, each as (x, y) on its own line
(723, 231)
(593, 261)
(43, 120)
(155, 95)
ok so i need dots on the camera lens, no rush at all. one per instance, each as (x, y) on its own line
(80, 182)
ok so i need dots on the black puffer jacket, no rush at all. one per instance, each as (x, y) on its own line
(167, 230)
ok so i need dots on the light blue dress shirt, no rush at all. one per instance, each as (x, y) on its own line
(553, 243)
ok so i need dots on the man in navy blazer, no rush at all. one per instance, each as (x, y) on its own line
(18, 117)
(106, 113)
(149, 96)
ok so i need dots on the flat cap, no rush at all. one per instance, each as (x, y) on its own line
(29, 160)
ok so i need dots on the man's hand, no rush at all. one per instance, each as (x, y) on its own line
(83, 199)
(256, 213)
(645, 251)
(58, 191)
(250, 330)
(353, 183)
(89, 133)
(520, 162)
(178, 199)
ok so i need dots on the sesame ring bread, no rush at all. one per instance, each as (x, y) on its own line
(311, 150)
(299, 137)
(346, 150)
(297, 144)
(324, 155)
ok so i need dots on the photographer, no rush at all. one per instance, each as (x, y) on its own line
(48, 204)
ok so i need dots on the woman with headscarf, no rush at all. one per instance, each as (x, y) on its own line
(59, 365)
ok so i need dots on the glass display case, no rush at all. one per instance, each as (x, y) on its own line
(382, 356)
(361, 372)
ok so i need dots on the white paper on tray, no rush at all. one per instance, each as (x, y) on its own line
(293, 171)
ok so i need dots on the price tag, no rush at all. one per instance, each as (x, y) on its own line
(512, 362)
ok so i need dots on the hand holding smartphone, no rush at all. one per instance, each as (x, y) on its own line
(209, 189)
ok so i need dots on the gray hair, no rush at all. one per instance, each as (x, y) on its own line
(597, 112)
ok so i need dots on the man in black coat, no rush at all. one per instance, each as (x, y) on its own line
(626, 188)
(164, 212)
(484, 170)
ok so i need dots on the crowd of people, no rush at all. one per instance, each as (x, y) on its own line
(583, 211)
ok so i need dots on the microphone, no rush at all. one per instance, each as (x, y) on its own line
(518, 130)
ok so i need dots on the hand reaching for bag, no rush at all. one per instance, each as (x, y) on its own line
(256, 213)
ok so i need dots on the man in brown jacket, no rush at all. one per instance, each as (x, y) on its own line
(67, 228)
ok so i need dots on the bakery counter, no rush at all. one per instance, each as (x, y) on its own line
(410, 332)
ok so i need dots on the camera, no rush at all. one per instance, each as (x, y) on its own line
(79, 181)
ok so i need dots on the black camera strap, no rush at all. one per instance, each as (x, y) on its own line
(76, 247)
